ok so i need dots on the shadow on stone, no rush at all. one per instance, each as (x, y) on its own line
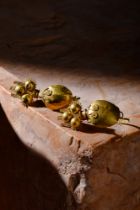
(87, 128)
(38, 103)
(27, 181)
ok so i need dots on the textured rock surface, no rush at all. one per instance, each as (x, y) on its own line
(98, 166)
(114, 179)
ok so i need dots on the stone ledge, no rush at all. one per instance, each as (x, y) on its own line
(77, 155)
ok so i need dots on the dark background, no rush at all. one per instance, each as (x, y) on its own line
(101, 34)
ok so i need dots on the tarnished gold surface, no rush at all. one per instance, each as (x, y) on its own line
(25, 91)
(103, 113)
(72, 115)
(30, 85)
(17, 89)
(56, 97)
(27, 99)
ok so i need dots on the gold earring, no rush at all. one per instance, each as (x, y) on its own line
(104, 114)
(26, 91)
(100, 113)
(72, 116)
(57, 97)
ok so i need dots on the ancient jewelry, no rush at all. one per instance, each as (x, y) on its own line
(56, 97)
(26, 91)
(72, 116)
(100, 113)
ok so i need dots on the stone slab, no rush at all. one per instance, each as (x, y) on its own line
(80, 157)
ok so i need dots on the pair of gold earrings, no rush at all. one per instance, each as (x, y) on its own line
(100, 113)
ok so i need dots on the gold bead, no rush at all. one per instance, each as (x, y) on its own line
(30, 85)
(75, 122)
(66, 116)
(27, 99)
(75, 108)
(19, 90)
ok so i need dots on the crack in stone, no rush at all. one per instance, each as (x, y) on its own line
(79, 145)
(71, 141)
